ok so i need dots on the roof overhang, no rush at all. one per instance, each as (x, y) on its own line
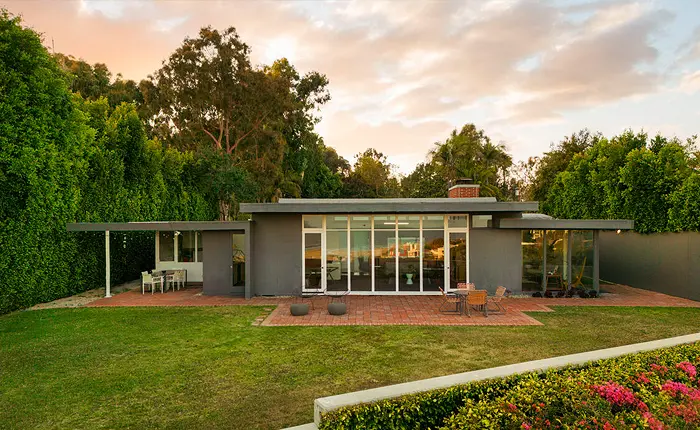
(566, 224)
(159, 226)
(359, 206)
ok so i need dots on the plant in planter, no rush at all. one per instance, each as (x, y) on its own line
(537, 294)
(592, 293)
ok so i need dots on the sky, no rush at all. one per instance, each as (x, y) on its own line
(404, 73)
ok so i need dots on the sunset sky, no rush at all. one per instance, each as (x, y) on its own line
(403, 73)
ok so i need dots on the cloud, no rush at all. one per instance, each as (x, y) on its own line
(690, 83)
(409, 68)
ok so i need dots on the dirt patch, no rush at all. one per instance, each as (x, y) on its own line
(86, 297)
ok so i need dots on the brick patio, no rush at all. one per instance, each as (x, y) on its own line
(394, 310)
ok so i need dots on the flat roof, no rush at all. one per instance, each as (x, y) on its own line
(357, 206)
(158, 226)
(532, 223)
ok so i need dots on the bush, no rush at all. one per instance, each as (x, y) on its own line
(654, 389)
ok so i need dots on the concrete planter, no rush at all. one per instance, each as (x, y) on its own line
(299, 309)
(337, 308)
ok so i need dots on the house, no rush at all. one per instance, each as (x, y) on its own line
(379, 246)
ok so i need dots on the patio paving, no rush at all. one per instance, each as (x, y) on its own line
(394, 310)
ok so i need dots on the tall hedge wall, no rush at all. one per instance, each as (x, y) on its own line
(63, 159)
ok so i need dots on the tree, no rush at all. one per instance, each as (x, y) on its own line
(426, 181)
(371, 177)
(556, 160)
(470, 153)
(208, 92)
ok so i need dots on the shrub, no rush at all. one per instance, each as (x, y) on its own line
(654, 389)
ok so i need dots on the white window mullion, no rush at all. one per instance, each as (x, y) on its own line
(347, 255)
(371, 246)
(396, 252)
(420, 251)
(467, 245)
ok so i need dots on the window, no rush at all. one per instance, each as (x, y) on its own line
(166, 248)
(313, 221)
(200, 248)
(481, 221)
(186, 246)
(457, 221)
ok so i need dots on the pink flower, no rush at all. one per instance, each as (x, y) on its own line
(526, 426)
(616, 394)
(642, 378)
(653, 423)
(688, 368)
(675, 388)
(512, 407)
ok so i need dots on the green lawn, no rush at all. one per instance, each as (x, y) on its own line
(210, 368)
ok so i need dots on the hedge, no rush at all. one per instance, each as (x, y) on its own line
(655, 389)
(64, 159)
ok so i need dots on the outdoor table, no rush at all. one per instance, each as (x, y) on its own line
(165, 272)
(462, 294)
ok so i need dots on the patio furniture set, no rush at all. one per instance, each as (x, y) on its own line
(168, 279)
(467, 297)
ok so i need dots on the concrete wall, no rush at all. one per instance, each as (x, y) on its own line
(276, 255)
(495, 259)
(217, 271)
(668, 263)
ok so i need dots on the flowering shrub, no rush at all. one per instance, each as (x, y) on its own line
(656, 390)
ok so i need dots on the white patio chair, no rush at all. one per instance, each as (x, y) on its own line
(178, 279)
(150, 280)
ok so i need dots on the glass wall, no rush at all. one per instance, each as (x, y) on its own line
(166, 246)
(582, 258)
(200, 248)
(312, 260)
(409, 252)
(384, 253)
(337, 253)
(533, 259)
(238, 259)
(186, 246)
(433, 252)
(557, 259)
(360, 253)
(458, 259)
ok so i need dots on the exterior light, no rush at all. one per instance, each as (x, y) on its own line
(619, 231)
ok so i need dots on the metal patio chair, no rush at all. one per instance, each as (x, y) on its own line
(449, 300)
(498, 299)
(477, 298)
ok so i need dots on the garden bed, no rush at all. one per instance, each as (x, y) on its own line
(656, 389)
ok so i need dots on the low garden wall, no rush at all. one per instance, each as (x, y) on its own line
(635, 385)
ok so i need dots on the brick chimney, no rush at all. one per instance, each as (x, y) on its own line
(463, 188)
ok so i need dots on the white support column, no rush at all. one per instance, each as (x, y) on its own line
(107, 286)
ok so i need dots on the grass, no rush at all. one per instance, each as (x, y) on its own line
(208, 367)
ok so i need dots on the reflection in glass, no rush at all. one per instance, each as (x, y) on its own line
(409, 260)
(433, 259)
(166, 247)
(384, 260)
(360, 255)
(313, 221)
(200, 247)
(582, 258)
(458, 259)
(433, 222)
(337, 260)
(238, 240)
(557, 261)
(185, 247)
(312, 261)
(533, 259)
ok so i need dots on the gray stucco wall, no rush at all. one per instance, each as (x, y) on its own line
(276, 254)
(495, 259)
(216, 266)
(668, 263)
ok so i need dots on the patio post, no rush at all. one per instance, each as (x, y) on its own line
(107, 290)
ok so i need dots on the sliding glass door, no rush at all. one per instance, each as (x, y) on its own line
(314, 269)
(384, 254)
